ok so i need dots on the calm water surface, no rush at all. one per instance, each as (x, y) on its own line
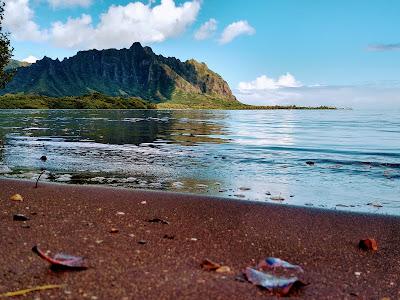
(254, 155)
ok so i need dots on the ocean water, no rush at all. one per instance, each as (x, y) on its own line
(344, 159)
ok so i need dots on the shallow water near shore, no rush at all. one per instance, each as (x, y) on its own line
(344, 159)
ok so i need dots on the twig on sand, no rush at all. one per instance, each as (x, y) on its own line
(37, 180)
(35, 289)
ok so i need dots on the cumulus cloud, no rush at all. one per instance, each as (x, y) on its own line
(74, 33)
(264, 82)
(19, 20)
(206, 30)
(370, 95)
(384, 47)
(121, 25)
(69, 3)
(30, 59)
(234, 30)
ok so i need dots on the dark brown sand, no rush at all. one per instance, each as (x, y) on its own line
(78, 220)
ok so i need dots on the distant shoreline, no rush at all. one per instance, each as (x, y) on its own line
(99, 101)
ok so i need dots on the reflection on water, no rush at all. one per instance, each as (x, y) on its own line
(353, 157)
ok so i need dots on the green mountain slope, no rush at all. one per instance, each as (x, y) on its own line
(133, 72)
(15, 64)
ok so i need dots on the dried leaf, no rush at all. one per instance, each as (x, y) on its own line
(35, 289)
(209, 265)
(62, 261)
(273, 262)
(16, 197)
(280, 286)
(368, 244)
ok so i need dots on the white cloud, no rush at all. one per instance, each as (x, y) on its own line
(69, 3)
(19, 20)
(234, 30)
(120, 26)
(74, 33)
(206, 30)
(266, 83)
(30, 59)
(370, 95)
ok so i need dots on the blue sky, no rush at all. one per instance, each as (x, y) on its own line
(300, 51)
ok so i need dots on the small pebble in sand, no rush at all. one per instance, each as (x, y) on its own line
(19, 217)
(114, 230)
(142, 242)
(193, 239)
(357, 273)
(143, 202)
(120, 213)
(223, 269)
(99, 241)
(16, 197)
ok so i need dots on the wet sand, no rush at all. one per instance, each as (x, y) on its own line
(78, 220)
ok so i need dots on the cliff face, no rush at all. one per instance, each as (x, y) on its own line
(136, 71)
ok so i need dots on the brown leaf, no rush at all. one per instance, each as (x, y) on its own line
(368, 244)
(209, 265)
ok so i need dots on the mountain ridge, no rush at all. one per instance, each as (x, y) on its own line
(132, 72)
(15, 64)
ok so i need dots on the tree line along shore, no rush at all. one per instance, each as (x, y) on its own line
(100, 101)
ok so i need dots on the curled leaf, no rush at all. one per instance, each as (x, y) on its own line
(274, 262)
(278, 285)
(62, 261)
(368, 244)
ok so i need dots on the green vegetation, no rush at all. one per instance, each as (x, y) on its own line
(5, 51)
(91, 101)
(181, 100)
(98, 101)
(15, 64)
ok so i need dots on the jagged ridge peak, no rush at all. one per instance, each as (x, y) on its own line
(136, 71)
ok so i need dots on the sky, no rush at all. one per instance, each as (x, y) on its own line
(304, 52)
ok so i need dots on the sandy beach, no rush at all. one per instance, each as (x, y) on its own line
(166, 263)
